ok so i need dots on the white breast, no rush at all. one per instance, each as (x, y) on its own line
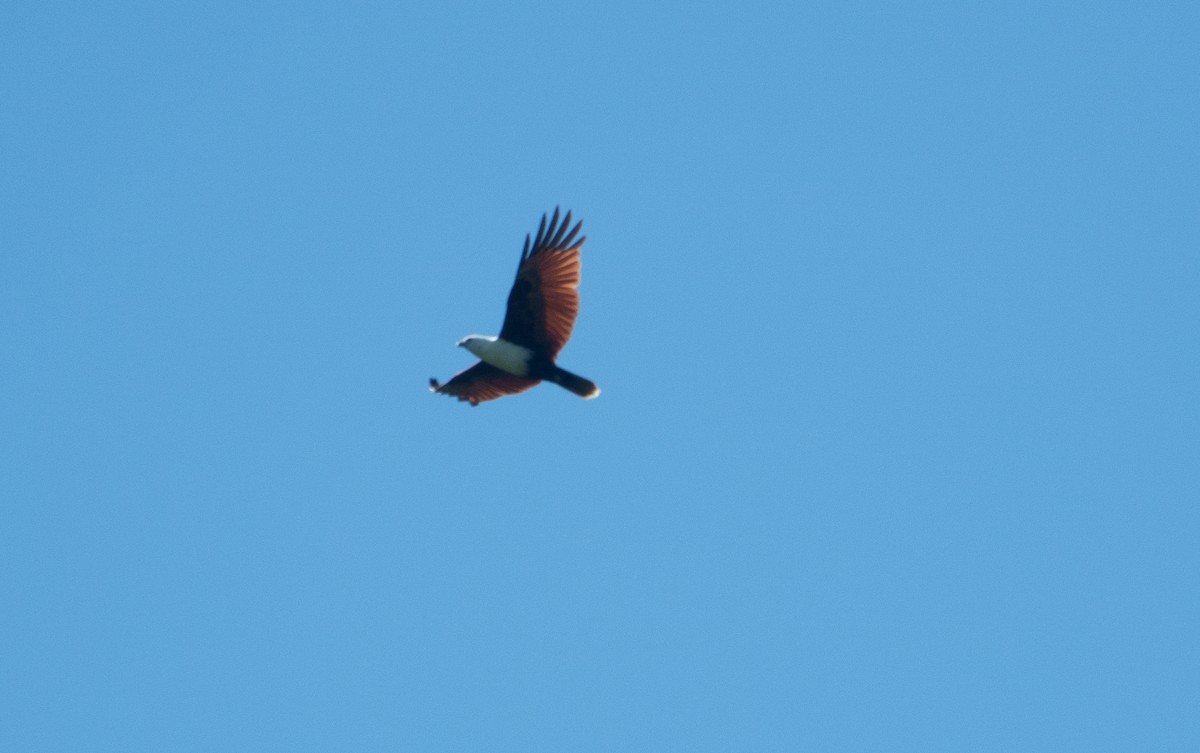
(500, 353)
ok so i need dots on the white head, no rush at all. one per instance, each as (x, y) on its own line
(476, 343)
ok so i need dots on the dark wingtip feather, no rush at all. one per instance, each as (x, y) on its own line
(567, 242)
(551, 231)
(554, 235)
(524, 254)
(558, 236)
(537, 242)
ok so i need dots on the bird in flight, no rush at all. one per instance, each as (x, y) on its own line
(542, 307)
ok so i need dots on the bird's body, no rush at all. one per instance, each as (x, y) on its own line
(542, 307)
(502, 354)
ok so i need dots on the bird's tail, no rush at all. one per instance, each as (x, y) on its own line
(583, 387)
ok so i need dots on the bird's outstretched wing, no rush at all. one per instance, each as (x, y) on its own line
(482, 382)
(544, 300)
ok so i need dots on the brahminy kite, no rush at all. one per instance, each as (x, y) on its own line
(542, 307)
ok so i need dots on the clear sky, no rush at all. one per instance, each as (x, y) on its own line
(895, 309)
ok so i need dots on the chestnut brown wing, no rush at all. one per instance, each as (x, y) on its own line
(482, 382)
(544, 299)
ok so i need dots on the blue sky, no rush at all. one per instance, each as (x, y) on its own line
(894, 307)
